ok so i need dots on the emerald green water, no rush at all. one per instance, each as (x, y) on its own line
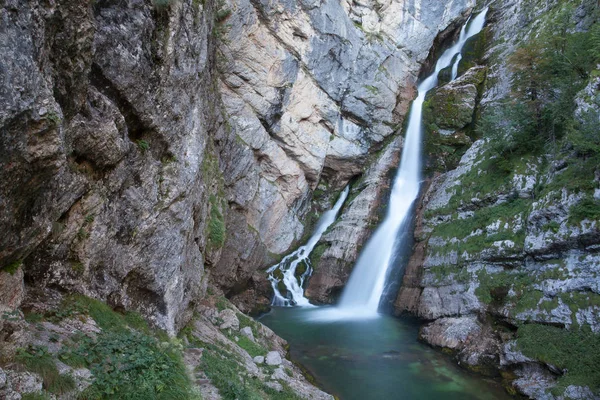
(375, 359)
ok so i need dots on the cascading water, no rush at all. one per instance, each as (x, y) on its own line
(285, 271)
(362, 295)
(463, 34)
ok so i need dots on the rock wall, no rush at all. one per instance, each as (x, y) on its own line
(333, 81)
(503, 256)
(154, 143)
(108, 117)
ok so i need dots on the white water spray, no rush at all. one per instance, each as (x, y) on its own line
(362, 295)
(285, 271)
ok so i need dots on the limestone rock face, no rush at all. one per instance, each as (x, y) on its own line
(340, 246)
(104, 139)
(498, 250)
(310, 90)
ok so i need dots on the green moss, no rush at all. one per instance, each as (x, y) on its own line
(508, 214)
(552, 226)
(577, 352)
(216, 227)
(253, 348)
(586, 209)
(528, 300)
(13, 267)
(494, 287)
(35, 396)
(317, 253)
(372, 89)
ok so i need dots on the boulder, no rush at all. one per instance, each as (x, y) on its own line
(247, 331)
(273, 358)
(230, 320)
(259, 359)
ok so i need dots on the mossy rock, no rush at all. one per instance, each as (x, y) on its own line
(300, 269)
(451, 107)
(473, 52)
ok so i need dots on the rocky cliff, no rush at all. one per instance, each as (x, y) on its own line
(151, 148)
(506, 265)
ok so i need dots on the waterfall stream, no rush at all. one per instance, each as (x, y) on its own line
(363, 292)
(285, 271)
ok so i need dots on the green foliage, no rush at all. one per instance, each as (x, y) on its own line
(35, 396)
(317, 253)
(222, 12)
(552, 226)
(216, 227)
(577, 352)
(226, 373)
(583, 134)
(131, 365)
(37, 359)
(549, 71)
(512, 133)
(494, 287)
(221, 303)
(13, 267)
(143, 145)
(588, 208)
(162, 4)
(253, 348)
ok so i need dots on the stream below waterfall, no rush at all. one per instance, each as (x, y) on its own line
(375, 359)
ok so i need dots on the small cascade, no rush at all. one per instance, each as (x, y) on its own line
(455, 66)
(285, 272)
(462, 38)
(362, 295)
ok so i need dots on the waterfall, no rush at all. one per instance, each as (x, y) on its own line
(285, 271)
(362, 295)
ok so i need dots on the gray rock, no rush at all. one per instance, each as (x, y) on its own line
(345, 237)
(274, 385)
(451, 333)
(259, 359)
(230, 320)
(247, 331)
(273, 358)
(3, 378)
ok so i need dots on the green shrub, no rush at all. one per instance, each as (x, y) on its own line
(577, 352)
(588, 208)
(35, 396)
(13, 267)
(131, 365)
(143, 145)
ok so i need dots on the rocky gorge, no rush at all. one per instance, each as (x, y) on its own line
(159, 155)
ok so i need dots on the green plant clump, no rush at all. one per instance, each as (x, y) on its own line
(37, 359)
(128, 360)
(576, 352)
(143, 145)
(588, 208)
(225, 372)
(13, 267)
(131, 365)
